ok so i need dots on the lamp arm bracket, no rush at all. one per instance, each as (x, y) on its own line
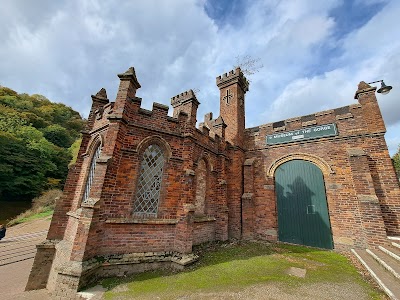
(374, 81)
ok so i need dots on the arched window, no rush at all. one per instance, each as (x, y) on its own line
(149, 185)
(90, 177)
(201, 188)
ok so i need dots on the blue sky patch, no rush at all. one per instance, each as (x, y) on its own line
(225, 12)
(352, 15)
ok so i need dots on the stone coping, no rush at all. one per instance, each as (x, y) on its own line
(141, 221)
(75, 268)
(200, 219)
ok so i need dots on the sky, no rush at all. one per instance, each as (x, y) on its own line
(313, 53)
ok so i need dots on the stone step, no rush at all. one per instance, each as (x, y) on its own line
(389, 284)
(387, 261)
(392, 251)
(394, 244)
(17, 258)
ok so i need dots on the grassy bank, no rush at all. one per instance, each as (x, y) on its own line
(30, 215)
(43, 206)
(228, 269)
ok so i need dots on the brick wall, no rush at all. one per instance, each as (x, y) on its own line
(362, 191)
(203, 230)
(217, 182)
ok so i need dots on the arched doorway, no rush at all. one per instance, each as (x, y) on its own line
(303, 216)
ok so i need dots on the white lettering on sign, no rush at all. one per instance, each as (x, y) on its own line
(303, 134)
(296, 137)
(322, 128)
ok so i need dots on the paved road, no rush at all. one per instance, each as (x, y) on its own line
(17, 251)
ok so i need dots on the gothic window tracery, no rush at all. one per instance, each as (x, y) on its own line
(91, 173)
(149, 184)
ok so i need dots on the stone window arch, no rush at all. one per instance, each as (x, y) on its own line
(201, 187)
(96, 150)
(150, 179)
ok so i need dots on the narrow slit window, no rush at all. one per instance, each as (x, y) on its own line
(90, 177)
(149, 185)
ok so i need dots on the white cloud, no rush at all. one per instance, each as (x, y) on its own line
(68, 50)
(370, 53)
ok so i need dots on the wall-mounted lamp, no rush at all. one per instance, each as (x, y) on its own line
(384, 89)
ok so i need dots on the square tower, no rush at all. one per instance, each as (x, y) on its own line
(233, 87)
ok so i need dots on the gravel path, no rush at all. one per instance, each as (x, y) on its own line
(320, 291)
(17, 251)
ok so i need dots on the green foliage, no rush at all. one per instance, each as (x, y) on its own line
(40, 112)
(31, 216)
(396, 162)
(74, 149)
(22, 170)
(34, 120)
(5, 91)
(10, 119)
(35, 135)
(42, 206)
(58, 135)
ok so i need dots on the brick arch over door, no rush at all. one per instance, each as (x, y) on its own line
(319, 162)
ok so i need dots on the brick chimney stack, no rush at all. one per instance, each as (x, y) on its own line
(370, 108)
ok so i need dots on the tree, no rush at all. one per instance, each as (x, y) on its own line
(248, 65)
(396, 162)
(10, 119)
(35, 136)
(58, 135)
(22, 170)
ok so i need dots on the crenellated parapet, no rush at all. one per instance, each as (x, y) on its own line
(215, 126)
(233, 76)
(233, 87)
(186, 102)
(127, 109)
(183, 97)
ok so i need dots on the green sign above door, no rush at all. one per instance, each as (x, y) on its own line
(302, 134)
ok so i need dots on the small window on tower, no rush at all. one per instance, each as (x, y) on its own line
(228, 96)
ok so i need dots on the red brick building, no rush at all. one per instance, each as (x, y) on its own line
(146, 187)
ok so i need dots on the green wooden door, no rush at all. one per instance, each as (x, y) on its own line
(302, 208)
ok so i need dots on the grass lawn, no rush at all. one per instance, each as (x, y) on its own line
(30, 215)
(232, 268)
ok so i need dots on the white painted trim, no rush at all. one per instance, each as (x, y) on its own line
(388, 252)
(383, 263)
(380, 283)
(396, 238)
